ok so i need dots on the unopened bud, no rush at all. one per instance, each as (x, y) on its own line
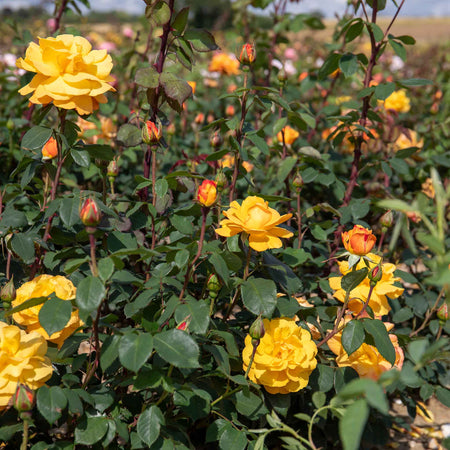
(113, 169)
(207, 193)
(442, 313)
(213, 284)
(210, 118)
(248, 54)
(199, 118)
(183, 326)
(216, 139)
(282, 75)
(90, 215)
(151, 132)
(257, 330)
(8, 291)
(387, 219)
(375, 274)
(10, 124)
(221, 181)
(50, 149)
(229, 111)
(24, 400)
(297, 182)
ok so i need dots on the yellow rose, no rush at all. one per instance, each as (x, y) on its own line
(43, 286)
(258, 220)
(407, 140)
(290, 135)
(383, 289)
(223, 63)
(359, 240)
(22, 360)
(284, 358)
(68, 73)
(398, 101)
(367, 360)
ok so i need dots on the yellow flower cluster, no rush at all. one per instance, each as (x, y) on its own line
(284, 359)
(43, 286)
(398, 101)
(68, 73)
(22, 360)
(383, 289)
(258, 220)
(224, 63)
(366, 360)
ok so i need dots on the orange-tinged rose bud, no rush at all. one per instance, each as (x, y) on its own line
(199, 118)
(387, 219)
(184, 325)
(442, 313)
(210, 118)
(358, 241)
(248, 54)
(207, 193)
(90, 215)
(8, 291)
(23, 399)
(230, 111)
(113, 169)
(151, 132)
(50, 149)
(375, 274)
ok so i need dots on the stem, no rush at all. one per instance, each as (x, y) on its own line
(429, 314)
(255, 347)
(25, 435)
(58, 16)
(187, 277)
(94, 268)
(8, 265)
(153, 178)
(299, 220)
(225, 395)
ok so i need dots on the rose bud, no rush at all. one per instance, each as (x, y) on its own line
(442, 313)
(297, 182)
(8, 291)
(248, 54)
(213, 285)
(375, 274)
(50, 149)
(387, 219)
(221, 181)
(358, 241)
(216, 140)
(151, 132)
(113, 169)
(90, 215)
(24, 400)
(229, 111)
(207, 193)
(199, 118)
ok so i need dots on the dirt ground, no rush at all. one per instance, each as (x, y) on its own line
(424, 435)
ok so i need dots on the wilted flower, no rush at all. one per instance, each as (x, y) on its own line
(398, 101)
(290, 135)
(224, 63)
(284, 358)
(207, 193)
(383, 289)
(43, 286)
(68, 73)
(50, 149)
(255, 218)
(359, 240)
(428, 188)
(23, 360)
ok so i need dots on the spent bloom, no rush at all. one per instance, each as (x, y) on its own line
(398, 101)
(43, 286)
(366, 360)
(284, 358)
(383, 289)
(22, 360)
(290, 135)
(224, 63)
(358, 241)
(68, 73)
(50, 149)
(207, 193)
(258, 220)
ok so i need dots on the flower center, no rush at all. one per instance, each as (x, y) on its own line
(257, 217)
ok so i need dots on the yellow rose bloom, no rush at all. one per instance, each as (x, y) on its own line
(258, 220)
(383, 289)
(68, 73)
(43, 286)
(228, 161)
(398, 101)
(224, 63)
(290, 135)
(407, 140)
(22, 360)
(284, 358)
(367, 360)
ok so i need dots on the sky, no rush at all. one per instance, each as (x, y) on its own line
(425, 8)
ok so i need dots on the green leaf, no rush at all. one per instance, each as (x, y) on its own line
(105, 268)
(377, 330)
(351, 425)
(353, 336)
(134, 349)
(90, 293)
(161, 13)
(54, 314)
(398, 49)
(90, 430)
(378, 33)
(330, 65)
(443, 395)
(198, 312)
(149, 424)
(27, 304)
(36, 137)
(415, 82)
(384, 90)
(259, 296)
(176, 89)
(23, 245)
(180, 21)
(81, 157)
(232, 439)
(370, 389)
(354, 31)
(220, 266)
(353, 279)
(348, 64)
(161, 187)
(147, 77)
(201, 40)
(250, 405)
(69, 211)
(177, 348)
(129, 135)
(50, 402)
(380, 4)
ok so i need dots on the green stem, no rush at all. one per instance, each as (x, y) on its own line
(255, 347)
(25, 435)
(94, 268)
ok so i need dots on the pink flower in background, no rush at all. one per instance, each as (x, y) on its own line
(290, 53)
(128, 32)
(107, 45)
